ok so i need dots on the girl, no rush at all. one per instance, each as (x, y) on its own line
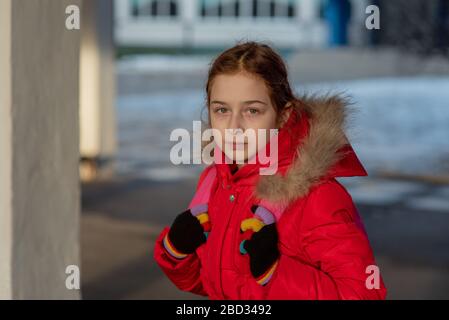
(295, 234)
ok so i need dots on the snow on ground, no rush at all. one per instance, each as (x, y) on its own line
(163, 63)
(399, 124)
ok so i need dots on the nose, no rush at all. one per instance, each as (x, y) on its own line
(235, 126)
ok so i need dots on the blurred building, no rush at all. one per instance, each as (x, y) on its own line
(219, 23)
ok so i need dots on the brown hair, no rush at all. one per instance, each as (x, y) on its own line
(257, 59)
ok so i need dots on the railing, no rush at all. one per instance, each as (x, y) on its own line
(217, 8)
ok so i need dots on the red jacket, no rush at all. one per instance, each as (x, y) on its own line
(324, 249)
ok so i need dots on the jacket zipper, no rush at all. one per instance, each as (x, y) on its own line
(231, 193)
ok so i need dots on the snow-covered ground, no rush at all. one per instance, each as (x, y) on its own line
(163, 63)
(399, 124)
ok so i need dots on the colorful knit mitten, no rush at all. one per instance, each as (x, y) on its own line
(261, 244)
(188, 231)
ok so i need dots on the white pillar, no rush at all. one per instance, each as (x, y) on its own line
(308, 19)
(39, 147)
(307, 10)
(188, 11)
(122, 12)
(97, 86)
(6, 152)
(246, 8)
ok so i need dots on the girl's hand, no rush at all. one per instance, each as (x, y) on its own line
(263, 252)
(187, 233)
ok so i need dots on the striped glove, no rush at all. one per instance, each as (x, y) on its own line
(262, 245)
(188, 231)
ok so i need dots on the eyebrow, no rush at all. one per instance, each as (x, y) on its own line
(244, 102)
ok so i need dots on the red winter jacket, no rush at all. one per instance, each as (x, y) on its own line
(324, 249)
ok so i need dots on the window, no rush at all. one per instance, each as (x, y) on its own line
(251, 8)
(154, 8)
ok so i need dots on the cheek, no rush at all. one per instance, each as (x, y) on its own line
(267, 123)
(262, 138)
(267, 120)
(272, 121)
(218, 133)
(217, 122)
(214, 123)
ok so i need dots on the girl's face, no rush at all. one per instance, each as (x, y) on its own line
(241, 102)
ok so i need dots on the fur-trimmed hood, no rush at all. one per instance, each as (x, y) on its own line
(315, 137)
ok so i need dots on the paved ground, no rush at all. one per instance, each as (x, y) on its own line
(120, 222)
(121, 218)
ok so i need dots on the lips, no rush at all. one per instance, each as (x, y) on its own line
(236, 146)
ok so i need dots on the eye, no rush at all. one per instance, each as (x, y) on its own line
(220, 110)
(253, 111)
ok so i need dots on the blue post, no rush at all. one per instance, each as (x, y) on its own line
(338, 15)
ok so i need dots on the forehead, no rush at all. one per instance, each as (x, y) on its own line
(242, 86)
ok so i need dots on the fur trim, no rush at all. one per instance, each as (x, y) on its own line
(316, 153)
